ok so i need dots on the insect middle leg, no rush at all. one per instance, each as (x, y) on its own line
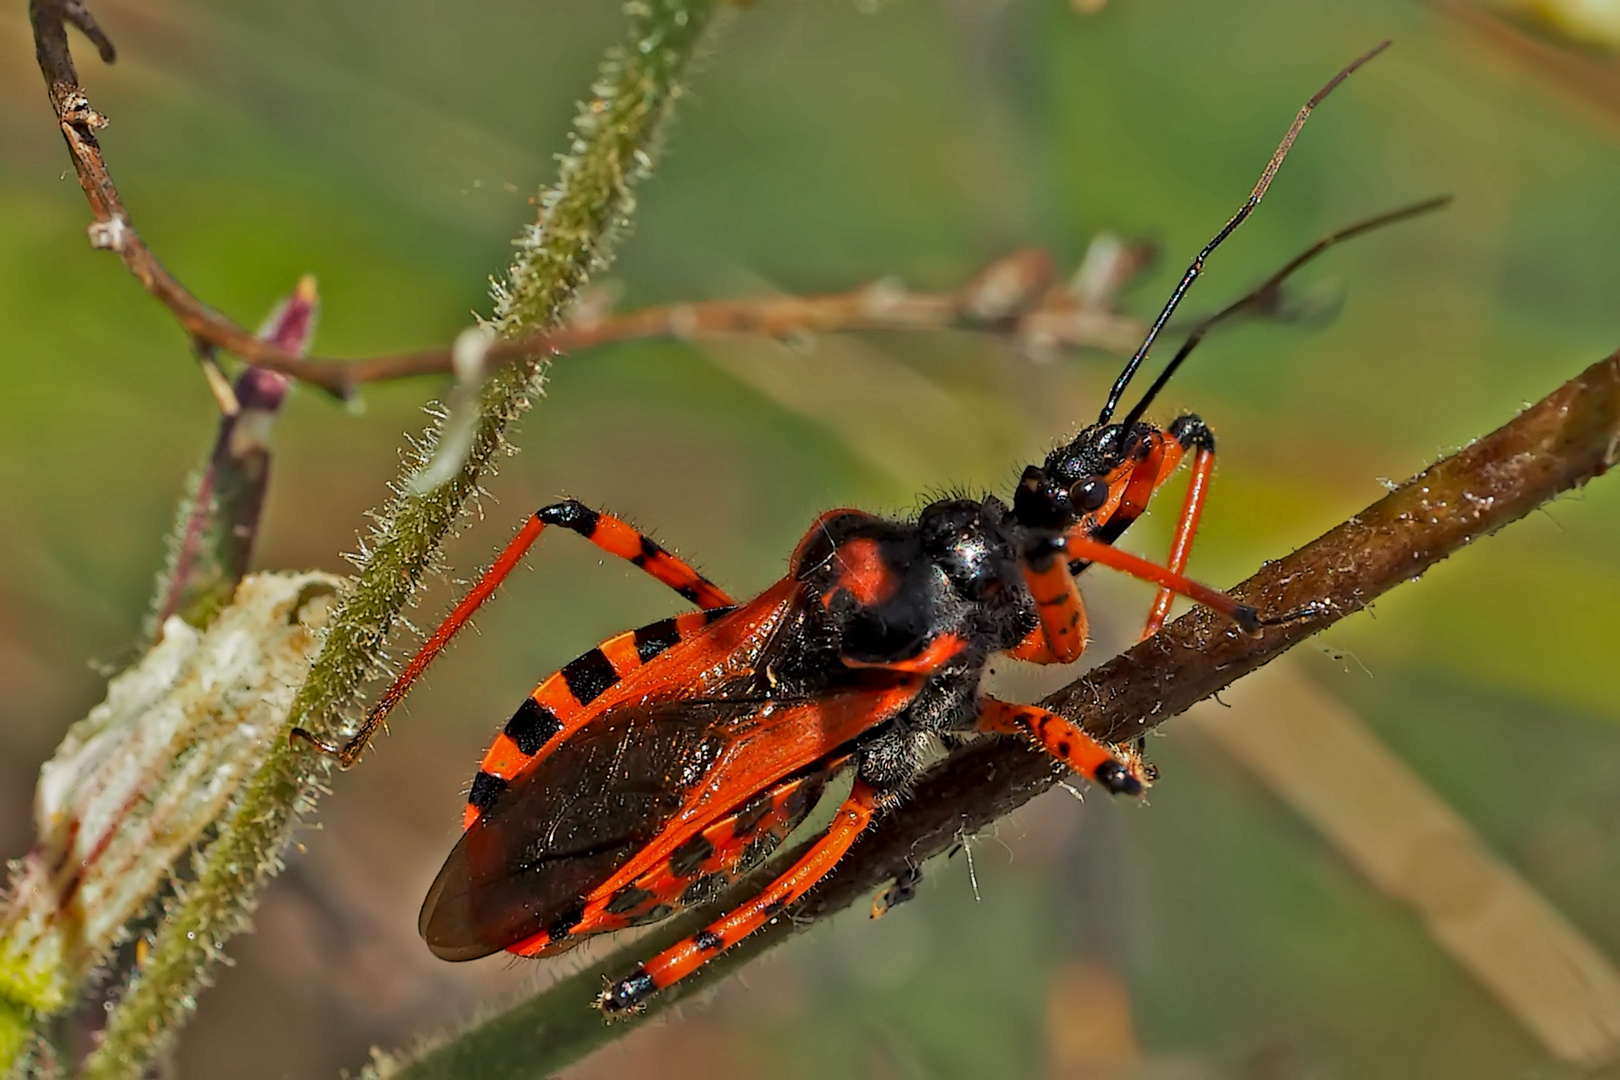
(609, 533)
(680, 960)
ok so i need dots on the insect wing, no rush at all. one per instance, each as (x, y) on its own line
(616, 800)
(563, 828)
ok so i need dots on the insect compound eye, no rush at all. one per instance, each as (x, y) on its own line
(1088, 495)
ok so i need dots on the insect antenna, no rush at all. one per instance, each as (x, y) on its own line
(1266, 289)
(1197, 267)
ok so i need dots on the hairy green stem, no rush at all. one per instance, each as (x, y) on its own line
(615, 140)
(16, 1028)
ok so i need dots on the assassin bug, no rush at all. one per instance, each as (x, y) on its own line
(650, 772)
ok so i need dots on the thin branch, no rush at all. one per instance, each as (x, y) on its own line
(112, 230)
(982, 304)
(1012, 295)
(1560, 443)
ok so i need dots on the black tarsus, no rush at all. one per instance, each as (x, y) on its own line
(628, 994)
(1117, 779)
(570, 514)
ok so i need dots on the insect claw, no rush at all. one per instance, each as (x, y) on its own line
(900, 890)
(302, 735)
(1248, 619)
(1117, 779)
(627, 996)
(345, 755)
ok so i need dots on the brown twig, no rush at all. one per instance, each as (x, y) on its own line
(1557, 444)
(1017, 296)
(1013, 295)
(111, 230)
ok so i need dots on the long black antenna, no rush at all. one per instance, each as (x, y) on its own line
(1244, 211)
(1267, 288)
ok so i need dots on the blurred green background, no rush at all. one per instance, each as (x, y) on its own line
(390, 149)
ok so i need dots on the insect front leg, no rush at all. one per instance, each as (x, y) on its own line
(682, 959)
(1130, 491)
(1187, 434)
(1036, 648)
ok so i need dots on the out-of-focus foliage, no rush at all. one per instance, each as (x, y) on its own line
(1589, 22)
(389, 150)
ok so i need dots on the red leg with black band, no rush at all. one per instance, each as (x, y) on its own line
(679, 961)
(1035, 649)
(608, 533)
(1120, 774)
(1063, 624)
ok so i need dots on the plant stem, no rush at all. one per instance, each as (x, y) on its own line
(616, 137)
(218, 524)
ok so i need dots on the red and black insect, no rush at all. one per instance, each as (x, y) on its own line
(649, 773)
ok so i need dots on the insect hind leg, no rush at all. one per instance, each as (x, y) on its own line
(609, 533)
(682, 959)
(617, 537)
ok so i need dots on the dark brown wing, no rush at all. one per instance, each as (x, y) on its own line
(579, 808)
(617, 798)
(666, 755)
(563, 828)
